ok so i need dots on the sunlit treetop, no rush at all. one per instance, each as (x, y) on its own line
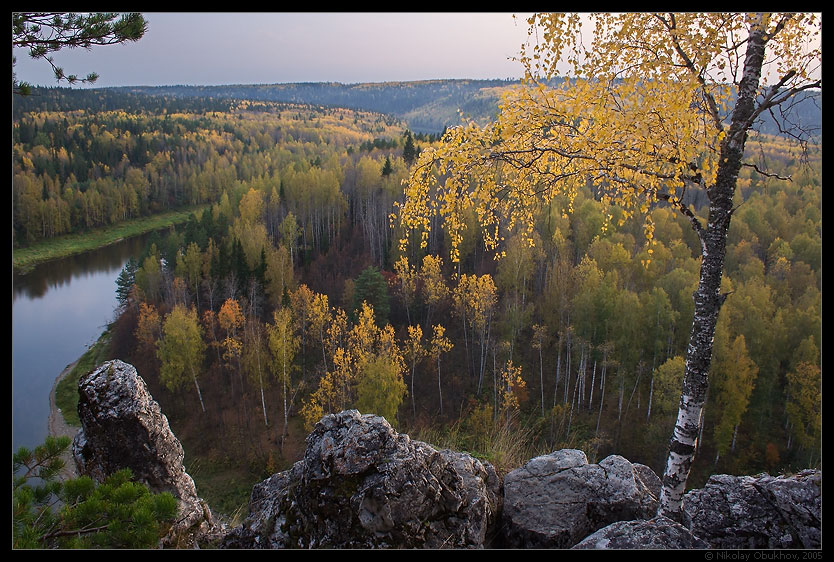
(639, 115)
(663, 46)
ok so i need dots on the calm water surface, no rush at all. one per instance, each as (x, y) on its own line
(58, 310)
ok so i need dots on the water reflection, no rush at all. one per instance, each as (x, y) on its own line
(56, 273)
(58, 310)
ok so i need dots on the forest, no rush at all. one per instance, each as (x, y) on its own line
(291, 296)
(426, 106)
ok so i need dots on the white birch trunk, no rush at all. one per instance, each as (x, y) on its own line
(439, 390)
(593, 380)
(541, 376)
(601, 396)
(558, 371)
(199, 394)
(708, 299)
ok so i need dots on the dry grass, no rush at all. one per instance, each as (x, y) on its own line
(505, 442)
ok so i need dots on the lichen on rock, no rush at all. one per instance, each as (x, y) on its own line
(757, 511)
(556, 500)
(363, 485)
(124, 427)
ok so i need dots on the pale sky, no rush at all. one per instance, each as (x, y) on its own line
(266, 48)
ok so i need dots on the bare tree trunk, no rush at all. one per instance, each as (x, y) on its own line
(439, 390)
(466, 346)
(485, 337)
(580, 377)
(633, 390)
(601, 395)
(263, 401)
(708, 299)
(494, 383)
(593, 380)
(573, 402)
(567, 370)
(558, 370)
(735, 434)
(199, 394)
(413, 403)
(541, 376)
(260, 376)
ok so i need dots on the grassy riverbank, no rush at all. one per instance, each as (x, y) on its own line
(66, 391)
(24, 259)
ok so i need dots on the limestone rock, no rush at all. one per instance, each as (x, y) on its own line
(556, 500)
(657, 533)
(757, 511)
(363, 485)
(123, 427)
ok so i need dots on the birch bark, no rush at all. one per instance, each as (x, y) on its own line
(708, 297)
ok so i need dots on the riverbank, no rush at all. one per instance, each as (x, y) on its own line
(64, 394)
(58, 426)
(24, 259)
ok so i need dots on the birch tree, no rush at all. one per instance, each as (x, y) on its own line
(435, 290)
(440, 344)
(414, 351)
(538, 341)
(657, 104)
(407, 278)
(475, 299)
(513, 389)
(734, 374)
(283, 346)
(231, 320)
(181, 350)
(148, 327)
(381, 388)
(255, 358)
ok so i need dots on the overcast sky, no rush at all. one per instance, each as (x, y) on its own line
(265, 48)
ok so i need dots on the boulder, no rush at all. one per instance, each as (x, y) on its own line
(757, 511)
(123, 427)
(363, 485)
(656, 533)
(556, 500)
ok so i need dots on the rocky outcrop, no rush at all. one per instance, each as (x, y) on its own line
(123, 427)
(656, 533)
(757, 511)
(556, 500)
(363, 485)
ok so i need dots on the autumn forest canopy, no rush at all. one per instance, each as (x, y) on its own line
(304, 284)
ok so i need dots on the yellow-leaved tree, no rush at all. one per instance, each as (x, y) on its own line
(181, 350)
(655, 104)
(283, 346)
(367, 370)
(231, 319)
(439, 344)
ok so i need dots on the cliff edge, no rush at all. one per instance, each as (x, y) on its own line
(361, 484)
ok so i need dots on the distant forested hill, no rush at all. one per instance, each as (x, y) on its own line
(430, 105)
(427, 106)
(112, 99)
(574, 342)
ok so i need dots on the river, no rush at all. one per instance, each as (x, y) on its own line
(58, 310)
